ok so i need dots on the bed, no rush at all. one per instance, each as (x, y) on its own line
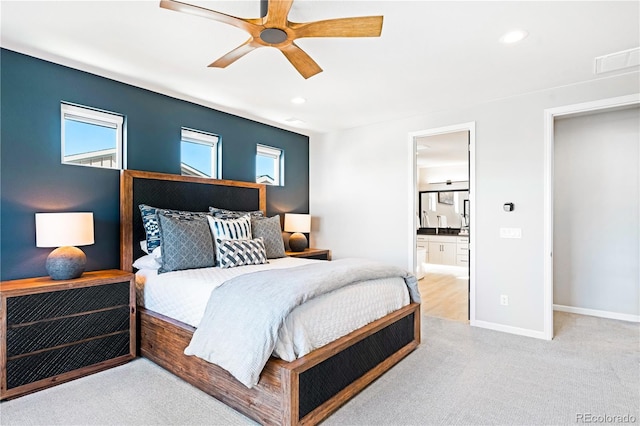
(303, 391)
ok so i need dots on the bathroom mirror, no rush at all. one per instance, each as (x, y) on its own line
(444, 209)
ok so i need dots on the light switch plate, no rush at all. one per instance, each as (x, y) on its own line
(510, 232)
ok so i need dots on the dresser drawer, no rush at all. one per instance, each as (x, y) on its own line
(463, 249)
(41, 306)
(42, 365)
(51, 333)
(462, 260)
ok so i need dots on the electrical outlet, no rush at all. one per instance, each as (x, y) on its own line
(504, 300)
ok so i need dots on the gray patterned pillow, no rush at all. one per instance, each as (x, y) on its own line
(269, 230)
(233, 253)
(186, 243)
(150, 222)
(233, 214)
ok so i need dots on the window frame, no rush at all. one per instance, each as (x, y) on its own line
(209, 139)
(277, 155)
(96, 117)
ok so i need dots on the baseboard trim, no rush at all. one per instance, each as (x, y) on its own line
(509, 329)
(597, 313)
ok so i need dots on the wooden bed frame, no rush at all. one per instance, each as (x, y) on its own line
(304, 391)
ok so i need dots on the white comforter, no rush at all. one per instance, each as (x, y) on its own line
(183, 295)
(247, 312)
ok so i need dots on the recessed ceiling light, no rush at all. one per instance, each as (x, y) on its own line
(513, 36)
(294, 121)
(298, 100)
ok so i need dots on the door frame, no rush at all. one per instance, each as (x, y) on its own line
(549, 143)
(413, 185)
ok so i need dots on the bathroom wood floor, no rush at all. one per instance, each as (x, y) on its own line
(444, 292)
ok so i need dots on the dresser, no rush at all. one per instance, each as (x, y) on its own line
(56, 331)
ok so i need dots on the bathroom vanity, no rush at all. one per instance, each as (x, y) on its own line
(443, 249)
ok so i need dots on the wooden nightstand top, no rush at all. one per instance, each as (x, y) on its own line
(311, 253)
(27, 285)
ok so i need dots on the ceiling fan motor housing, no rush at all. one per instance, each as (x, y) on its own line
(273, 35)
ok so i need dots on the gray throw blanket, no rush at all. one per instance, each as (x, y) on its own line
(240, 325)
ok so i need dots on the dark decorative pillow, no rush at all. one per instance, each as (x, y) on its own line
(269, 229)
(150, 222)
(186, 243)
(233, 253)
(233, 214)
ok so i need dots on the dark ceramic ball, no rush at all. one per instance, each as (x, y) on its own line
(66, 263)
(297, 242)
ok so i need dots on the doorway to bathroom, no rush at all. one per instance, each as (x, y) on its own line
(443, 188)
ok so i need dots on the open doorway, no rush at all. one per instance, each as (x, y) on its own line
(589, 154)
(443, 188)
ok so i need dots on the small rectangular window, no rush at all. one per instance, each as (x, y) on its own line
(91, 137)
(200, 154)
(269, 165)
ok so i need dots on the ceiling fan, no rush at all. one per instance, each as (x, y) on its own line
(275, 30)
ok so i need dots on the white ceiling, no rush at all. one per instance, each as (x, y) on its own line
(431, 55)
(447, 149)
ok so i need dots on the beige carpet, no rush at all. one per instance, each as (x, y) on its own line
(459, 375)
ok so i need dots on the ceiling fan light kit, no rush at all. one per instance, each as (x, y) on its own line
(275, 30)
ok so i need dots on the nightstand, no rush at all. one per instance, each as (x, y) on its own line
(55, 331)
(311, 253)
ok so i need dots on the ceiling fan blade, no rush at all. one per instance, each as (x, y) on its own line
(364, 26)
(245, 24)
(277, 13)
(300, 60)
(235, 54)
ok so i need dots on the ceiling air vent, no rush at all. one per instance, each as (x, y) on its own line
(617, 61)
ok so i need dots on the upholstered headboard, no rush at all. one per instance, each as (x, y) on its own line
(178, 193)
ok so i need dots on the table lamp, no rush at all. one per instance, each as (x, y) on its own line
(297, 223)
(64, 231)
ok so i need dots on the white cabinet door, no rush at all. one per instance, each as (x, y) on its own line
(442, 253)
(449, 253)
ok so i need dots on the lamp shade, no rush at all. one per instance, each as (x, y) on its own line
(294, 222)
(64, 229)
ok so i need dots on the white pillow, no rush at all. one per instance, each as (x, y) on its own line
(143, 246)
(147, 262)
(230, 229)
(157, 252)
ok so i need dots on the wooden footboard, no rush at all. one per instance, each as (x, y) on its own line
(304, 391)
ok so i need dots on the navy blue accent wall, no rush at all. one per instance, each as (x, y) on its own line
(33, 179)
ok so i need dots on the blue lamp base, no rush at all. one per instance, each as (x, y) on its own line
(66, 263)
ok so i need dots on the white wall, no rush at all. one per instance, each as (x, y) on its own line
(359, 191)
(596, 216)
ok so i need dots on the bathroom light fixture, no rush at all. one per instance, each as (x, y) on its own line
(513, 36)
(64, 231)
